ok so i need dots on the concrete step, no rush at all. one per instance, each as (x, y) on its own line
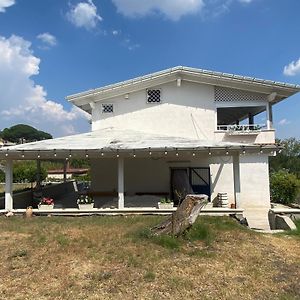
(257, 217)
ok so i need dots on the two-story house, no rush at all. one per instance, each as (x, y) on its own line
(178, 131)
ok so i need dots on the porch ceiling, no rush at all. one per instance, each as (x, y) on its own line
(113, 139)
(229, 115)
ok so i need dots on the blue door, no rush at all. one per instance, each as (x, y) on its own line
(200, 180)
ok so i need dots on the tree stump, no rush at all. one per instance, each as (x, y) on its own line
(183, 218)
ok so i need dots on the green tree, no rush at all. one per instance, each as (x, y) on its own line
(284, 187)
(26, 171)
(23, 132)
(2, 176)
(288, 158)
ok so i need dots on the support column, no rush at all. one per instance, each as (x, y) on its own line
(120, 182)
(269, 116)
(9, 185)
(236, 180)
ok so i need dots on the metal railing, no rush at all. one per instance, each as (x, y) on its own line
(241, 128)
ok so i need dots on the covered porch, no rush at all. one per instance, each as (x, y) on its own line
(132, 171)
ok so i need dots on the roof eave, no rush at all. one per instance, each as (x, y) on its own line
(283, 90)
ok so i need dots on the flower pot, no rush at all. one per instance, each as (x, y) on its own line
(88, 206)
(46, 206)
(165, 205)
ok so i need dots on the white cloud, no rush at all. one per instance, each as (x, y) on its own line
(292, 69)
(115, 32)
(284, 122)
(84, 14)
(130, 45)
(6, 3)
(48, 39)
(22, 100)
(173, 10)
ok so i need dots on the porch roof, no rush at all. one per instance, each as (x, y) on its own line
(113, 139)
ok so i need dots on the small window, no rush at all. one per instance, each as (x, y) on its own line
(107, 108)
(153, 96)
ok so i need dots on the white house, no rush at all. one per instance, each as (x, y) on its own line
(172, 132)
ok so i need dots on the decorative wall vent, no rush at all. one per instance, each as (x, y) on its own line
(232, 95)
(153, 96)
(107, 108)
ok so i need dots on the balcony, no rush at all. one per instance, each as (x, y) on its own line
(247, 129)
(237, 124)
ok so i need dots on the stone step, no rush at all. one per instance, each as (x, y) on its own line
(257, 218)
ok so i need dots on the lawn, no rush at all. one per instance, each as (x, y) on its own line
(16, 186)
(117, 258)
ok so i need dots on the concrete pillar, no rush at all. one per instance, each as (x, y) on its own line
(269, 116)
(120, 182)
(9, 185)
(236, 180)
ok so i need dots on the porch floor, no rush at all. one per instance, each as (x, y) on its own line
(213, 211)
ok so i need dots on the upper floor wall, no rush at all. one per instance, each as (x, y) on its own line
(187, 110)
(195, 103)
(191, 110)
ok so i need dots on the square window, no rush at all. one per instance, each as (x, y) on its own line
(153, 96)
(107, 108)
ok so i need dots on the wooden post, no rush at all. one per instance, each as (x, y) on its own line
(236, 179)
(120, 182)
(250, 119)
(9, 185)
(38, 175)
(65, 171)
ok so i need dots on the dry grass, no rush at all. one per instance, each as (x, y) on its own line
(115, 258)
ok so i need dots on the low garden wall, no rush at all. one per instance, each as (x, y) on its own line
(25, 199)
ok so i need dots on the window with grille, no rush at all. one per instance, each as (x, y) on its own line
(107, 108)
(153, 96)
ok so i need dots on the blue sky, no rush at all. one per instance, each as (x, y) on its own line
(53, 48)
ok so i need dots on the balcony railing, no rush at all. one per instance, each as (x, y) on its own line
(231, 129)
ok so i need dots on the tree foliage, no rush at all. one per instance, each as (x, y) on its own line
(288, 158)
(18, 132)
(26, 171)
(284, 187)
(2, 176)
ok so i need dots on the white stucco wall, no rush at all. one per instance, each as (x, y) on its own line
(153, 175)
(255, 189)
(185, 111)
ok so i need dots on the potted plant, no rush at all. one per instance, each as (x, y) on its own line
(46, 203)
(85, 202)
(165, 203)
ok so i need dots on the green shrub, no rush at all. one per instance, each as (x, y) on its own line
(2, 176)
(284, 187)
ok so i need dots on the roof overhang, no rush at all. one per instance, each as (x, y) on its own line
(276, 91)
(113, 142)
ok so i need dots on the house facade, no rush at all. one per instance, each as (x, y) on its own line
(174, 132)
